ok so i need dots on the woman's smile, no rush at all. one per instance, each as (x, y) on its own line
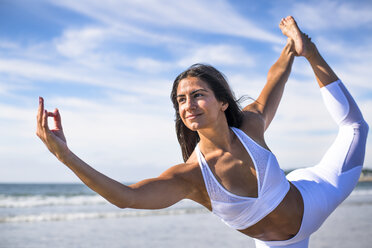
(192, 116)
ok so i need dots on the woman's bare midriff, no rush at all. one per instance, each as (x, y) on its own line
(283, 223)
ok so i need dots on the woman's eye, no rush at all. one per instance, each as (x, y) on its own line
(180, 100)
(198, 94)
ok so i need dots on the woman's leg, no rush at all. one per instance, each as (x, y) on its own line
(326, 185)
(342, 163)
(300, 244)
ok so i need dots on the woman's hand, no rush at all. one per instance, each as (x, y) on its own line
(54, 139)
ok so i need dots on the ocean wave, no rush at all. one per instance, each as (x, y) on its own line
(98, 215)
(30, 201)
(362, 192)
(7, 201)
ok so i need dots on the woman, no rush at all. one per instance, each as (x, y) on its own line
(228, 167)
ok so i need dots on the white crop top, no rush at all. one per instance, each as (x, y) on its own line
(241, 212)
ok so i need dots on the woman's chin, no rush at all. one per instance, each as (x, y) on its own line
(194, 126)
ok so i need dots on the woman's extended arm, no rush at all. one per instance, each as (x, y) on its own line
(163, 191)
(268, 101)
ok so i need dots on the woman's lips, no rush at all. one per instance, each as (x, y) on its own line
(191, 117)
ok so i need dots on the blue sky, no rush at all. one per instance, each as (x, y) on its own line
(109, 67)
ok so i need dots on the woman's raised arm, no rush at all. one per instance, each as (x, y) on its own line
(163, 191)
(268, 101)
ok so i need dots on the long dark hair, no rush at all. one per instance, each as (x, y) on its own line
(221, 89)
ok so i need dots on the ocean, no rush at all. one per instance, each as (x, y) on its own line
(71, 215)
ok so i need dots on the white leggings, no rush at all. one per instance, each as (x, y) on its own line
(324, 186)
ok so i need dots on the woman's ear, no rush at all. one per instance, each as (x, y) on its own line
(224, 106)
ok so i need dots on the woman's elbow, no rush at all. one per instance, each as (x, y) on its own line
(120, 203)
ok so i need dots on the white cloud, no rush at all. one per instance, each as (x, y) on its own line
(89, 64)
(150, 65)
(5, 44)
(322, 15)
(346, 50)
(91, 59)
(195, 15)
(77, 42)
(4, 88)
(9, 112)
(64, 72)
(40, 71)
(222, 54)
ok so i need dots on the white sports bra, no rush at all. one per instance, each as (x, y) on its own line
(241, 212)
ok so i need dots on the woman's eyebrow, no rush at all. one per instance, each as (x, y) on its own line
(193, 92)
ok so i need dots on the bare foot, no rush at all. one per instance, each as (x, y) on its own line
(290, 29)
(309, 47)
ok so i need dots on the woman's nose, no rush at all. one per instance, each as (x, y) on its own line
(190, 104)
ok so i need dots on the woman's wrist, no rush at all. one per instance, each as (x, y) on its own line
(65, 156)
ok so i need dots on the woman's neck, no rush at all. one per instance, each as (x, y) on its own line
(218, 137)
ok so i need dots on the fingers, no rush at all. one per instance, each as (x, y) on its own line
(40, 111)
(42, 116)
(43, 131)
(44, 123)
(57, 119)
(42, 119)
(39, 118)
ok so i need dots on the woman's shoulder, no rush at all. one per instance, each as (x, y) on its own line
(253, 123)
(189, 172)
(187, 169)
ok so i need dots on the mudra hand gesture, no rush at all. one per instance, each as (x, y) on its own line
(54, 139)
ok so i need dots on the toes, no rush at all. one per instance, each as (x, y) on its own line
(283, 23)
(306, 36)
(287, 20)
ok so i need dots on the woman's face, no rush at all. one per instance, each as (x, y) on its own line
(197, 104)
